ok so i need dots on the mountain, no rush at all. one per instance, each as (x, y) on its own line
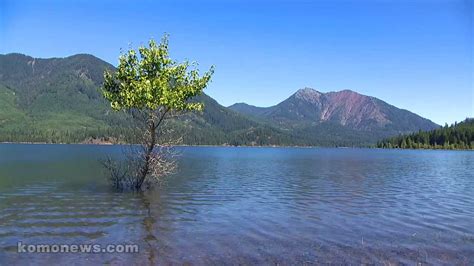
(309, 110)
(219, 125)
(58, 100)
(248, 109)
(57, 96)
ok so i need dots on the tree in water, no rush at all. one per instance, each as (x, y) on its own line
(152, 88)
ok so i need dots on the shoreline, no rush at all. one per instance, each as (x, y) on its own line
(230, 146)
(179, 145)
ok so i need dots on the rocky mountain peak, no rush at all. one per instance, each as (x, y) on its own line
(308, 94)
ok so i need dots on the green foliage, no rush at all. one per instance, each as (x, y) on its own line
(55, 100)
(152, 80)
(10, 114)
(457, 136)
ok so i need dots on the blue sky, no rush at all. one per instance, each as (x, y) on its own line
(416, 55)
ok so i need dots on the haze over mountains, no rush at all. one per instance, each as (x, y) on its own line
(58, 99)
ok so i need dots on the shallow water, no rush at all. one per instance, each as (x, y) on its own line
(243, 206)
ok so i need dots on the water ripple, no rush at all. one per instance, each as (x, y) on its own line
(256, 206)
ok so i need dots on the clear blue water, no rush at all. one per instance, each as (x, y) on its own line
(244, 206)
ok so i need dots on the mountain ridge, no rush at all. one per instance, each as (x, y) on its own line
(346, 107)
(58, 99)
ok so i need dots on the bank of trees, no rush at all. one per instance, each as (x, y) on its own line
(457, 136)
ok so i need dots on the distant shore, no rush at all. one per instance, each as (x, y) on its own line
(103, 143)
(179, 145)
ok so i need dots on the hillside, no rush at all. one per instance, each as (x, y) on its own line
(58, 100)
(457, 136)
(309, 110)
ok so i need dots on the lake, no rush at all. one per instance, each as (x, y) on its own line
(243, 206)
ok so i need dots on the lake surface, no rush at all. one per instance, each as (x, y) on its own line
(243, 206)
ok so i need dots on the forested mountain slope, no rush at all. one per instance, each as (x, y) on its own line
(58, 100)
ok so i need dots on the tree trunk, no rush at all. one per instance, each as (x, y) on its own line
(149, 150)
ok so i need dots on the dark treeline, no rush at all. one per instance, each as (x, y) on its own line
(258, 136)
(457, 136)
(66, 136)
